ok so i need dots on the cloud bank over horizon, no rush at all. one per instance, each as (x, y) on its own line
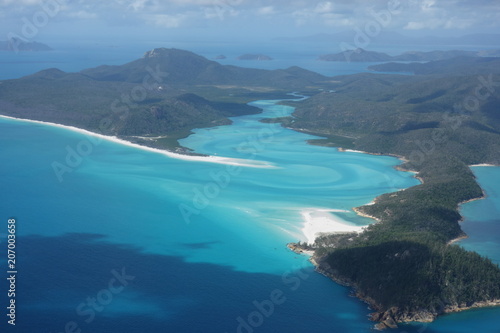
(241, 18)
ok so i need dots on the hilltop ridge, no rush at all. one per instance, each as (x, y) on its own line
(185, 67)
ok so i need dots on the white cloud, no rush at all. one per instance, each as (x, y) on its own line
(428, 5)
(268, 10)
(301, 17)
(457, 23)
(221, 3)
(324, 7)
(337, 20)
(220, 12)
(137, 5)
(415, 25)
(307, 14)
(325, 13)
(83, 15)
(168, 21)
(446, 14)
(21, 2)
(431, 24)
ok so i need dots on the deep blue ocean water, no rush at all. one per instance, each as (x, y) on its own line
(134, 241)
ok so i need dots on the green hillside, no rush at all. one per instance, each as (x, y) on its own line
(165, 95)
(405, 266)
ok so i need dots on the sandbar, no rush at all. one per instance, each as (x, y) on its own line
(322, 221)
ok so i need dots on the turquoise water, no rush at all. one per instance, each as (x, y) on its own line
(202, 244)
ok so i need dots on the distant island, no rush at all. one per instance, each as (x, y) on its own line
(454, 66)
(254, 57)
(362, 55)
(389, 37)
(220, 57)
(16, 44)
(406, 266)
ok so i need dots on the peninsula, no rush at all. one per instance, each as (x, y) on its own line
(406, 266)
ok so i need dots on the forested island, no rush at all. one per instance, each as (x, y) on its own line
(439, 122)
(363, 55)
(16, 44)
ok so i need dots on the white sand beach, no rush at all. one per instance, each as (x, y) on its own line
(482, 165)
(353, 151)
(209, 159)
(318, 221)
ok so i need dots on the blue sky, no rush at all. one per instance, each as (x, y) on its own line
(42, 20)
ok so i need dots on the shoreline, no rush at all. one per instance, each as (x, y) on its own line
(360, 213)
(357, 210)
(402, 158)
(483, 196)
(321, 221)
(208, 159)
(397, 167)
(393, 316)
(317, 225)
(390, 318)
(475, 305)
(482, 165)
(465, 236)
(458, 239)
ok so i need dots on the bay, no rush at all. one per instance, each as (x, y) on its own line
(118, 212)
(225, 268)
